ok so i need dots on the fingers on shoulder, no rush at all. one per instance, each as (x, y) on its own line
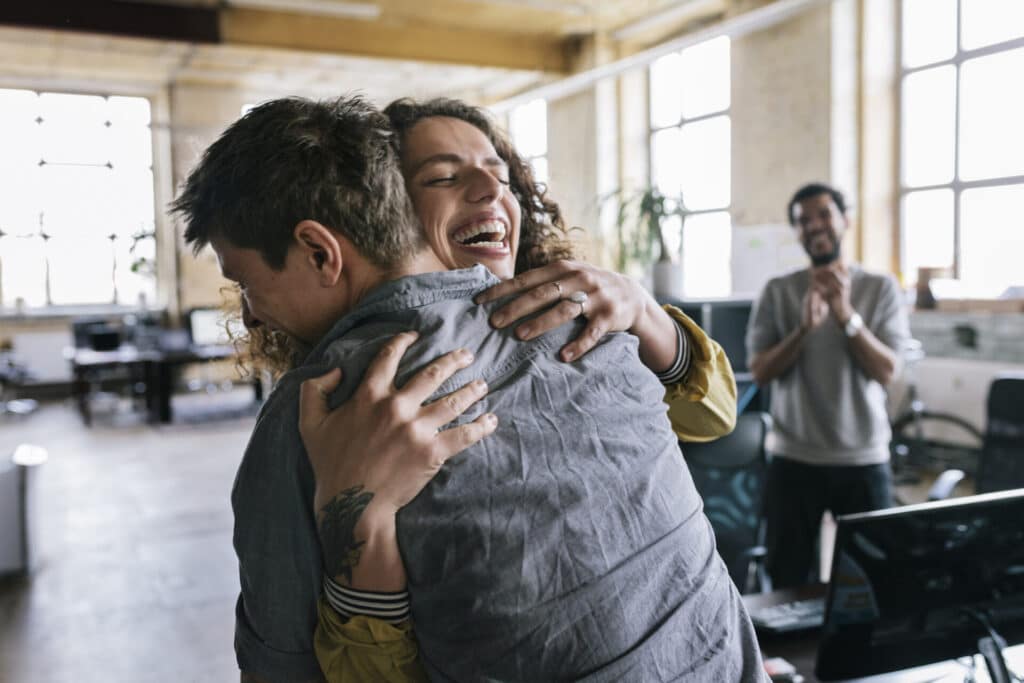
(453, 441)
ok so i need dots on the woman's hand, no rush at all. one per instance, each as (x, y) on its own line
(614, 303)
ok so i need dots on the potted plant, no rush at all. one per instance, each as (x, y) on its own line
(641, 225)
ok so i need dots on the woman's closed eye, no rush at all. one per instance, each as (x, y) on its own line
(440, 180)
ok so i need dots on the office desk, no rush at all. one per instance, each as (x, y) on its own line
(801, 649)
(154, 368)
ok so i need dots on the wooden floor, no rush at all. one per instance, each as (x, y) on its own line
(137, 578)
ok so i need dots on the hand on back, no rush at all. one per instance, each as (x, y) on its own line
(384, 439)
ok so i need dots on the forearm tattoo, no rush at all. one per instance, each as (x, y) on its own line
(337, 526)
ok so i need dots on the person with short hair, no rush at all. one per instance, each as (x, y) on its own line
(573, 530)
(827, 339)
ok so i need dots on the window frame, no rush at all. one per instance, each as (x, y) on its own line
(685, 212)
(117, 302)
(956, 185)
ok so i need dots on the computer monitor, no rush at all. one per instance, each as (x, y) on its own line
(728, 326)
(206, 327)
(923, 583)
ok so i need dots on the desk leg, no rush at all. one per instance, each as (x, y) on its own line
(80, 390)
(165, 386)
(257, 387)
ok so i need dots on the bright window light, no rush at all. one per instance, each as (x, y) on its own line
(528, 128)
(992, 116)
(928, 230)
(962, 151)
(78, 210)
(992, 239)
(986, 22)
(929, 31)
(707, 245)
(929, 120)
(704, 78)
(705, 159)
(691, 143)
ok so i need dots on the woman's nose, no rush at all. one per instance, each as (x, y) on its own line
(484, 186)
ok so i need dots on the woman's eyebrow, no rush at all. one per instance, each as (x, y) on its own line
(444, 157)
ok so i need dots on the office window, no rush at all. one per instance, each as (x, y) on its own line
(77, 218)
(690, 158)
(528, 128)
(962, 146)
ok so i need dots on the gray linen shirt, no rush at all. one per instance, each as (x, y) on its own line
(568, 545)
(825, 410)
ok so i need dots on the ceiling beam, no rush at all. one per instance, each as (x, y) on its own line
(260, 28)
(133, 19)
(426, 43)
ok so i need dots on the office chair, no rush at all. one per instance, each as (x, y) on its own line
(1001, 459)
(730, 476)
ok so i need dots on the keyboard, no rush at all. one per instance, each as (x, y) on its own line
(798, 615)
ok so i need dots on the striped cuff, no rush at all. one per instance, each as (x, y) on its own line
(350, 602)
(678, 370)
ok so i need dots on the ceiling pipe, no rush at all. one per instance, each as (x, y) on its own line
(748, 22)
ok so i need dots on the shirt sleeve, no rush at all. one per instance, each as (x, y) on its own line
(366, 649)
(278, 550)
(889, 321)
(702, 407)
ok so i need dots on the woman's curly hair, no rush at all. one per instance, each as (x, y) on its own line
(543, 236)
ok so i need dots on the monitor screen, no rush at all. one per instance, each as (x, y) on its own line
(206, 326)
(916, 585)
(728, 327)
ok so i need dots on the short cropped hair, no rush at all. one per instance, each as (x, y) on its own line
(813, 190)
(543, 237)
(292, 159)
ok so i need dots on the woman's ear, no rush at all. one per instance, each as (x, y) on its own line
(320, 250)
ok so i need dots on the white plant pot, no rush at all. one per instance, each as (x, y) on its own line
(667, 279)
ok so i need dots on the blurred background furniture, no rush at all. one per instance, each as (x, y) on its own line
(730, 475)
(17, 502)
(143, 355)
(14, 375)
(1000, 465)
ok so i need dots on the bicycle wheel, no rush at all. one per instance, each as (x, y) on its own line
(934, 440)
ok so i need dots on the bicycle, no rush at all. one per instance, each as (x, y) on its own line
(913, 447)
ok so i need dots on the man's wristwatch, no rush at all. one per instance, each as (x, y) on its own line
(854, 325)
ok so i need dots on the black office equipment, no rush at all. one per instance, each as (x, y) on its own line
(924, 583)
(1000, 460)
(785, 617)
(730, 475)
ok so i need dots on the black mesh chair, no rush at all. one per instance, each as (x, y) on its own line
(1001, 460)
(730, 476)
(1001, 465)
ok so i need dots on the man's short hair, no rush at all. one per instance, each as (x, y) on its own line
(813, 190)
(291, 159)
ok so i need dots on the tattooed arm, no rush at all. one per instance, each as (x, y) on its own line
(359, 543)
(375, 452)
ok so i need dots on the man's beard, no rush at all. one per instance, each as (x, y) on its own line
(825, 258)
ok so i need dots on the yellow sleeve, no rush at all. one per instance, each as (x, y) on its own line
(702, 407)
(365, 649)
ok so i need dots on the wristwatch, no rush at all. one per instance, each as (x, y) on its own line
(854, 325)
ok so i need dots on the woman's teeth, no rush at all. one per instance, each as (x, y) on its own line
(490, 234)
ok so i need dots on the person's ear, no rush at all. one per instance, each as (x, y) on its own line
(320, 250)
